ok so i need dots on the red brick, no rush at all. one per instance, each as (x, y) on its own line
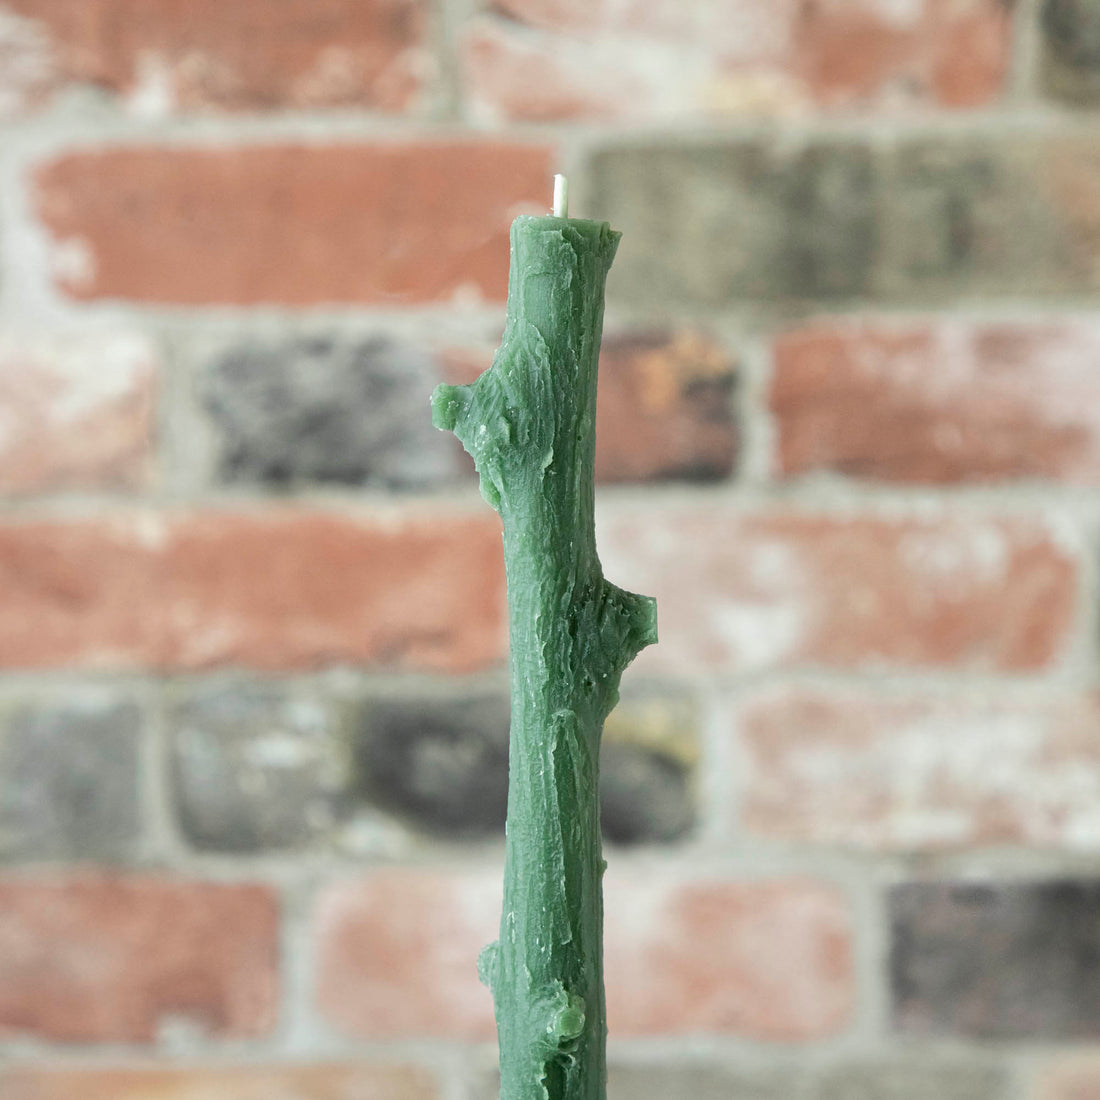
(941, 403)
(740, 591)
(111, 959)
(939, 52)
(397, 955)
(290, 224)
(162, 55)
(654, 59)
(913, 772)
(665, 408)
(288, 588)
(297, 1082)
(765, 960)
(1075, 1077)
(81, 592)
(75, 412)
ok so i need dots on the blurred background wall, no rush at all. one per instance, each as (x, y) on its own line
(253, 708)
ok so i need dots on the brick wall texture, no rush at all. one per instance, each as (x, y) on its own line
(253, 689)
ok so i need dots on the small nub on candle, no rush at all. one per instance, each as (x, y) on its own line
(561, 196)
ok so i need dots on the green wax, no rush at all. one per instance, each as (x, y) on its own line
(529, 422)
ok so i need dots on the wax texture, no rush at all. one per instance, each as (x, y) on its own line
(529, 422)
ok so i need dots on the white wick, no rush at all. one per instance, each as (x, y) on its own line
(561, 197)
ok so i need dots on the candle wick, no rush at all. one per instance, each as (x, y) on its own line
(561, 196)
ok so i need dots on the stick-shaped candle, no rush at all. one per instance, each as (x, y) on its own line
(529, 422)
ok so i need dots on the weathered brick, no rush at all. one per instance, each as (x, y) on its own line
(443, 765)
(913, 1080)
(397, 954)
(943, 206)
(1070, 58)
(910, 772)
(950, 55)
(939, 403)
(440, 763)
(115, 959)
(1075, 1077)
(69, 780)
(290, 224)
(766, 960)
(76, 412)
(254, 768)
(743, 590)
(648, 763)
(665, 408)
(324, 409)
(996, 959)
(542, 60)
(379, 1081)
(780, 1080)
(393, 591)
(748, 220)
(693, 1082)
(163, 56)
(81, 592)
(258, 767)
(921, 220)
(202, 589)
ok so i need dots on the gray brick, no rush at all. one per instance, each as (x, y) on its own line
(964, 216)
(787, 1080)
(254, 769)
(922, 221)
(912, 1081)
(1070, 58)
(327, 410)
(697, 1083)
(69, 781)
(999, 960)
(259, 767)
(442, 764)
(707, 225)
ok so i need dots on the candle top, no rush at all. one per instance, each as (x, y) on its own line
(561, 196)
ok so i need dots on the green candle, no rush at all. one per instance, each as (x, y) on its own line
(529, 422)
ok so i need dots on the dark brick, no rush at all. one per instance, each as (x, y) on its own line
(644, 796)
(69, 781)
(254, 768)
(648, 761)
(443, 764)
(998, 960)
(326, 409)
(912, 1081)
(704, 225)
(963, 216)
(1070, 59)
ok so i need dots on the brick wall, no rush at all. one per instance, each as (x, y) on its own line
(252, 708)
